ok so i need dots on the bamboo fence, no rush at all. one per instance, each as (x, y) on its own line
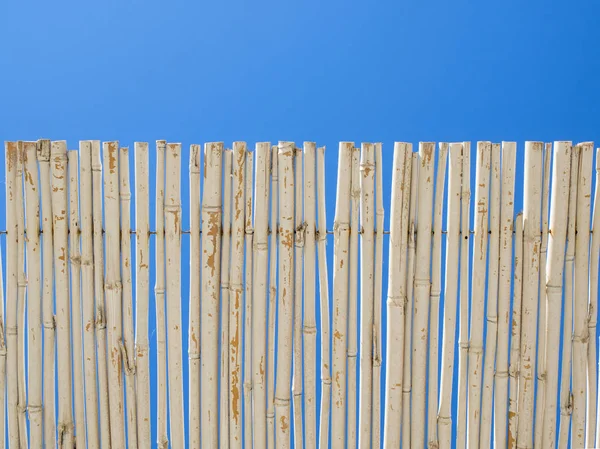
(487, 337)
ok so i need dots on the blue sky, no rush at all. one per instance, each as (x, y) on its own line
(318, 71)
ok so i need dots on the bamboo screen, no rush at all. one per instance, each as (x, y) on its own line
(492, 345)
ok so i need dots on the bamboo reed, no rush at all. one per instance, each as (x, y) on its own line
(340, 294)
(2, 362)
(249, 239)
(553, 281)
(434, 298)
(142, 293)
(444, 417)
(211, 281)
(504, 284)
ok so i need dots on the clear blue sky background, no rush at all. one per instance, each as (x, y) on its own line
(318, 71)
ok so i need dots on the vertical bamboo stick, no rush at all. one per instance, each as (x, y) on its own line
(99, 295)
(142, 293)
(59, 208)
(259, 294)
(463, 339)
(580, 314)
(504, 283)
(211, 279)
(492, 302)
(434, 298)
(310, 326)
(324, 303)
(340, 294)
(444, 418)
(566, 397)
(159, 292)
(194, 307)
(2, 362)
(422, 290)
(249, 238)
(76, 323)
(554, 282)
(34, 303)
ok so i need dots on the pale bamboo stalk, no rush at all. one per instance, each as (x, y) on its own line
(478, 288)
(353, 299)
(504, 283)
(341, 229)
(542, 315)
(298, 252)
(63, 325)
(249, 238)
(113, 292)
(142, 293)
(377, 295)
(463, 339)
(272, 301)
(491, 339)
(566, 397)
(12, 287)
(580, 314)
(76, 323)
(211, 282)
(225, 292)
(434, 298)
(2, 362)
(34, 298)
(553, 281)
(310, 326)
(531, 266)
(159, 292)
(237, 295)
(259, 293)
(515, 342)
(324, 303)
(422, 290)
(444, 417)
(396, 297)
(407, 368)
(100, 305)
(194, 307)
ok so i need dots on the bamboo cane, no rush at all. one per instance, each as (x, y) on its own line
(34, 304)
(566, 397)
(396, 293)
(237, 292)
(2, 362)
(515, 342)
(463, 339)
(211, 279)
(422, 292)
(444, 418)
(531, 253)
(298, 252)
(113, 292)
(249, 238)
(434, 298)
(194, 307)
(76, 323)
(61, 277)
(159, 293)
(407, 368)
(542, 315)
(595, 255)
(353, 299)
(142, 293)
(554, 283)
(225, 291)
(580, 314)
(324, 303)
(259, 294)
(340, 294)
(504, 283)
(101, 344)
(492, 302)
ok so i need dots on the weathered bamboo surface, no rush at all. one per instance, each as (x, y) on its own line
(487, 336)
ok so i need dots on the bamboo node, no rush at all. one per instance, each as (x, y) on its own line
(129, 366)
(501, 374)
(163, 443)
(193, 356)
(49, 324)
(76, 260)
(211, 209)
(125, 196)
(300, 235)
(100, 319)
(12, 330)
(116, 286)
(446, 420)
(260, 246)
(32, 409)
(475, 349)
(463, 344)
(340, 227)
(307, 330)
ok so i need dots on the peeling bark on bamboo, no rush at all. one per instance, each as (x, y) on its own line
(249, 237)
